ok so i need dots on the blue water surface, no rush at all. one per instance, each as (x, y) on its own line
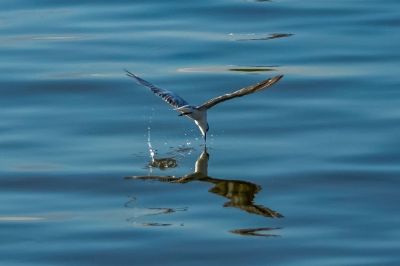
(305, 173)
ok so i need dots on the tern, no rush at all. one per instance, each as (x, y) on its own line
(198, 113)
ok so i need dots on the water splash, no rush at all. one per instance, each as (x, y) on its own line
(161, 163)
(151, 150)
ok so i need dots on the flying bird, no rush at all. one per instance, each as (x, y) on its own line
(199, 112)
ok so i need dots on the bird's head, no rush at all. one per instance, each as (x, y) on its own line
(204, 129)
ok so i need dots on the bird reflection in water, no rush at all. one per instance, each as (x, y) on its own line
(240, 193)
(261, 231)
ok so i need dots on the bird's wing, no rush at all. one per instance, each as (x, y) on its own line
(168, 96)
(239, 93)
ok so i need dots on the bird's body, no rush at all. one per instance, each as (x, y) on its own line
(199, 113)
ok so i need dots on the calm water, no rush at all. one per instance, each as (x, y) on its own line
(306, 173)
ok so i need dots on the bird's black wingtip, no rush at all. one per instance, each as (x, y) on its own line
(277, 78)
(273, 80)
(129, 74)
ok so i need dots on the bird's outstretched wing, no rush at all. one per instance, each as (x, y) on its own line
(168, 96)
(242, 92)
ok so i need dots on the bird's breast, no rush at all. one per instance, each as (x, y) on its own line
(198, 115)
